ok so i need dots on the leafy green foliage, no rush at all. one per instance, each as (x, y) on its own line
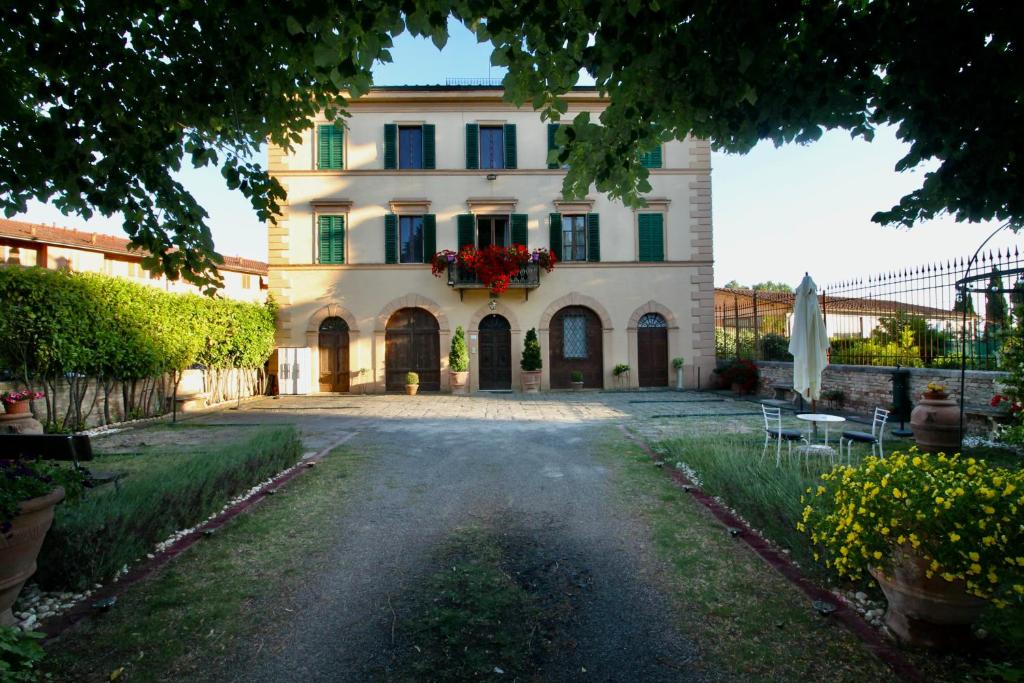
(774, 346)
(20, 655)
(211, 82)
(93, 538)
(620, 369)
(531, 358)
(412, 378)
(576, 376)
(23, 479)
(458, 357)
(997, 312)
(903, 352)
(57, 323)
(767, 286)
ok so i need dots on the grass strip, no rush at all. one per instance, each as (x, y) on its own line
(180, 624)
(165, 491)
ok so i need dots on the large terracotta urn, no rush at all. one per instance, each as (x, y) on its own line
(460, 382)
(20, 546)
(17, 418)
(929, 612)
(935, 422)
(17, 408)
(530, 380)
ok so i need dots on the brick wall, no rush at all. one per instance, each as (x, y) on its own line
(867, 387)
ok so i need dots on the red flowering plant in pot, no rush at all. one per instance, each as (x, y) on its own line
(493, 266)
(18, 401)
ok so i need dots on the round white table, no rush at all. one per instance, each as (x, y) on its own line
(815, 418)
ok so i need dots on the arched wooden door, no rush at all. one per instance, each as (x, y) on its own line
(652, 350)
(412, 344)
(575, 341)
(495, 342)
(333, 344)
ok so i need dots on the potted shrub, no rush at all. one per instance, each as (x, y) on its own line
(621, 372)
(742, 376)
(531, 363)
(412, 383)
(677, 365)
(458, 362)
(18, 402)
(29, 490)
(576, 380)
(937, 532)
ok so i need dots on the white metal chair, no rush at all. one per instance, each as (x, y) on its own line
(773, 430)
(874, 437)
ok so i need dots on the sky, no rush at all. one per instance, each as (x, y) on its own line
(776, 212)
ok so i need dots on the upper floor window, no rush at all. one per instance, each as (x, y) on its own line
(574, 238)
(651, 159)
(410, 147)
(330, 147)
(492, 147)
(331, 238)
(492, 230)
(410, 230)
(651, 236)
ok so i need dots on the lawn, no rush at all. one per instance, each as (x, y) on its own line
(729, 467)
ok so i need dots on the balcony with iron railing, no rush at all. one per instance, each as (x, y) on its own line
(526, 279)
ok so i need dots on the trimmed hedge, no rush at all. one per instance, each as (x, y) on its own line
(94, 537)
(62, 328)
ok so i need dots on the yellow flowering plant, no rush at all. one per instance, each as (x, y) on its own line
(960, 515)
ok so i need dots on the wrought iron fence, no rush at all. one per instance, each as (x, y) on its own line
(912, 317)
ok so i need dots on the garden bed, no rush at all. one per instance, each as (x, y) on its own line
(768, 498)
(174, 477)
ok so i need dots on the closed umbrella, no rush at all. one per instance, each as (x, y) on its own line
(808, 342)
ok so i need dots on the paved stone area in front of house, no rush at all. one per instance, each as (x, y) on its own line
(522, 465)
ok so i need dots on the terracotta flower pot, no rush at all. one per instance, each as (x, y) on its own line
(17, 408)
(411, 389)
(930, 612)
(530, 380)
(460, 382)
(20, 546)
(936, 424)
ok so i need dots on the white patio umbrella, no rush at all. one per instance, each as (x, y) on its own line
(808, 342)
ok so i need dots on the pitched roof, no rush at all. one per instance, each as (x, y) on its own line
(108, 244)
(859, 305)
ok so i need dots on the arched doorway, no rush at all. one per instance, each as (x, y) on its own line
(333, 343)
(575, 341)
(412, 344)
(495, 353)
(652, 350)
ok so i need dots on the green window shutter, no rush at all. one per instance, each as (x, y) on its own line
(324, 230)
(472, 145)
(510, 145)
(330, 146)
(520, 234)
(390, 145)
(429, 153)
(337, 239)
(555, 234)
(593, 237)
(651, 237)
(552, 143)
(390, 238)
(651, 159)
(467, 226)
(429, 237)
(331, 231)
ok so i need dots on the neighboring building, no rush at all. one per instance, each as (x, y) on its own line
(32, 244)
(422, 169)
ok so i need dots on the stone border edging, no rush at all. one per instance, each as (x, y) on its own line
(784, 566)
(83, 610)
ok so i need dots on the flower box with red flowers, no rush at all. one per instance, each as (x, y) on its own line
(494, 268)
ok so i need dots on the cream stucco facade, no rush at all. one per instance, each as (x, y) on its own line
(365, 291)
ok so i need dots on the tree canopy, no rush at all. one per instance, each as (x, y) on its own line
(766, 286)
(105, 100)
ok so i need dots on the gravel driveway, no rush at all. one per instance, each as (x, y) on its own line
(524, 469)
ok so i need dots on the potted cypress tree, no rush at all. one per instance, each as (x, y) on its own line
(531, 363)
(458, 362)
(576, 380)
(412, 383)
